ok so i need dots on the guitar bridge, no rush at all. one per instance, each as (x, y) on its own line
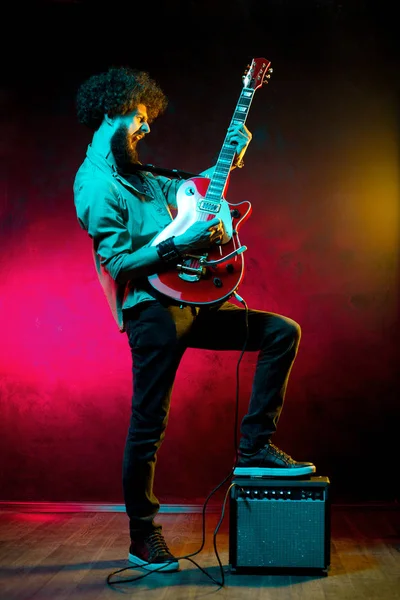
(191, 269)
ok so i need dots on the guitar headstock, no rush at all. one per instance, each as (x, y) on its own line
(257, 73)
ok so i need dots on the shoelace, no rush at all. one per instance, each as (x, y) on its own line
(281, 453)
(156, 543)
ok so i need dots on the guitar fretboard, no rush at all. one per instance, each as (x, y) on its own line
(227, 153)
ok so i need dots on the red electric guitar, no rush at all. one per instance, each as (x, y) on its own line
(212, 276)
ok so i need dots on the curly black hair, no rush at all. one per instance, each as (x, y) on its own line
(118, 91)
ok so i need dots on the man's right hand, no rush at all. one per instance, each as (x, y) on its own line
(202, 234)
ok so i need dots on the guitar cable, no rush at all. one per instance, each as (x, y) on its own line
(189, 557)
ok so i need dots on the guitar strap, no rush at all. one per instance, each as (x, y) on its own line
(173, 173)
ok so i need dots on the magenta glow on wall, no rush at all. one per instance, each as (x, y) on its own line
(323, 248)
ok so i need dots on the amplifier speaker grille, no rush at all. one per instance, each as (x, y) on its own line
(279, 524)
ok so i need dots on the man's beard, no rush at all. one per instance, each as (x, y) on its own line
(125, 153)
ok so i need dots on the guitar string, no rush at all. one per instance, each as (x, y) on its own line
(244, 103)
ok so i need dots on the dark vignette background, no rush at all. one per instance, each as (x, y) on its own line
(323, 239)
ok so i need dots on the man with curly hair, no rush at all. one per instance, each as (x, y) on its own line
(123, 209)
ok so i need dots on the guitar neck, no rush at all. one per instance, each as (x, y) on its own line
(227, 153)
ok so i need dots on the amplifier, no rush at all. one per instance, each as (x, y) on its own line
(277, 524)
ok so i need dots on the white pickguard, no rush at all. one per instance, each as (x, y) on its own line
(189, 211)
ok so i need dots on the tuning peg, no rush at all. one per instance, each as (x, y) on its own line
(270, 70)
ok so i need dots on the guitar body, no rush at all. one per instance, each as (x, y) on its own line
(212, 275)
(193, 283)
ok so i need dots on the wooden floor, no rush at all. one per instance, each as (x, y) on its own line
(55, 556)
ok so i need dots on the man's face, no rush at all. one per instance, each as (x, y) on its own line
(128, 130)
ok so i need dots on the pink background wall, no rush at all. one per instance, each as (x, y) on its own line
(323, 241)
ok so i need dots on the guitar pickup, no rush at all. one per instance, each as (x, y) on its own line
(209, 206)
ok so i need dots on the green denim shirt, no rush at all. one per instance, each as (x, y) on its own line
(120, 220)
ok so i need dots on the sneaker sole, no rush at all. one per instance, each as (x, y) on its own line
(172, 565)
(271, 472)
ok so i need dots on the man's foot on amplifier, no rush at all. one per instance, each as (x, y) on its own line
(269, 461)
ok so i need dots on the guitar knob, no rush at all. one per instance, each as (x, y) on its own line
(217, 282)
(235, 213)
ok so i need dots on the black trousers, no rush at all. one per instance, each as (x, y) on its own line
(158, 337)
